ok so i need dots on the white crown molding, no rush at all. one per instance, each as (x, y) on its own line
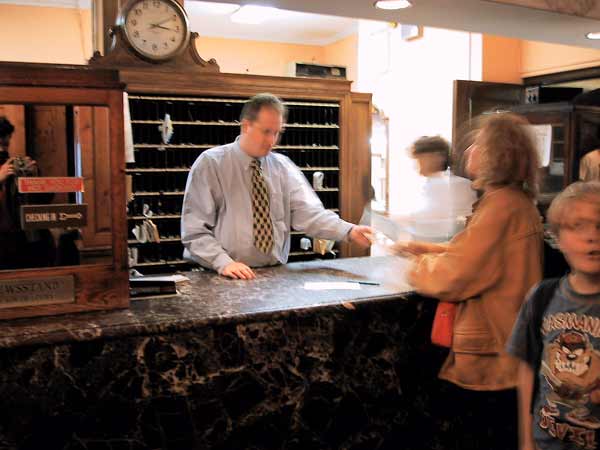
(341, 35)
(80, 4)
(317, 42)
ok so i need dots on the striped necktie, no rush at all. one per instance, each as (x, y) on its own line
(261, 212)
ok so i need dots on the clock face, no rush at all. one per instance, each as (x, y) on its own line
(156, 29)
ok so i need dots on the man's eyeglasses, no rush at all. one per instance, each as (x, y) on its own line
(267, 132)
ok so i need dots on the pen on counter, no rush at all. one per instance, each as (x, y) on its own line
(367, 283)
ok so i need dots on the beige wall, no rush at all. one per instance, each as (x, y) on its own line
(271, 58)
(508, 60)
(538, 58)
(63, 35)
(344, 53)
(501, 59)
(42, 34)
(256, 57)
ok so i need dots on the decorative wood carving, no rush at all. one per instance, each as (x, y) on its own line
(575, 7)
(582, 8)
(121, 56)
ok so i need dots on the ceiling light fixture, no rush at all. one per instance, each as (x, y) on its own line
(254, 14)
(392, 4)
(213, 8)
(595, 35)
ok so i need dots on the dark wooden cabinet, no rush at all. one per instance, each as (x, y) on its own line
(471, 99)
(575, 127)
(558, 173)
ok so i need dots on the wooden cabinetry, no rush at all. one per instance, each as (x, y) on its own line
(575, 131)
(71, 124)
(575, 127)
(558, 172)
(327, 130)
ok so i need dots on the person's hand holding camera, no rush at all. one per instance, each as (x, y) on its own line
(6, 170)
(30, 166)
(24, 166)
(19, 166)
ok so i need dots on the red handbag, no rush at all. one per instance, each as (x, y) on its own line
(443, 324)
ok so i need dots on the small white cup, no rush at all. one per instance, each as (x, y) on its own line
(318, 178)
(305, 243)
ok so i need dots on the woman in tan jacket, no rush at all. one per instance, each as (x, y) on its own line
(487, 270)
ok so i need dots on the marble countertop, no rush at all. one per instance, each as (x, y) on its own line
(210, 299)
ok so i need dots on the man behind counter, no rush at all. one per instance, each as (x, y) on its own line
(241, 200)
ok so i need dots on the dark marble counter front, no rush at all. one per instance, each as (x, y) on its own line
(210, 299)
(234, 365)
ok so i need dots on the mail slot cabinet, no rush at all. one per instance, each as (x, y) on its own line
(311, 140)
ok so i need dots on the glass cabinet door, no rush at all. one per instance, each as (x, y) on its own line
(587, 138)
(552, 173)
(552, 131)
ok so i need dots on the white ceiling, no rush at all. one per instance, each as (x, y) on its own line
(469, 15)
(288, 26)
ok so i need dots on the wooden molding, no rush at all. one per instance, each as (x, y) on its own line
(60, 76)
(563, 77)
(355, 163)
(122, 57)
(228, 84)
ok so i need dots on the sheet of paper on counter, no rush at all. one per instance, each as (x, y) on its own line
(330, 285)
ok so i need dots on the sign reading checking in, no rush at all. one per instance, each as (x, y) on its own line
(36, 217)
(36, 292)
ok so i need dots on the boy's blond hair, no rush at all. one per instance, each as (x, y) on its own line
(578, 191)
(508, 153)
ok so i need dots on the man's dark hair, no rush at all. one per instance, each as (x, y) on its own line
(253, 106)
(6, 128)
(432, 144)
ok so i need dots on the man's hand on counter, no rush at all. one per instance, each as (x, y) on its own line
(238, 271)
(360, 235)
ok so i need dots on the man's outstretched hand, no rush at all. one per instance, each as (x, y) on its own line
(360, 235)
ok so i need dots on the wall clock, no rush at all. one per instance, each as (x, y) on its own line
(156, 30)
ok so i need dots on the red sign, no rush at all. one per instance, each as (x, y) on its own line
(32, 185)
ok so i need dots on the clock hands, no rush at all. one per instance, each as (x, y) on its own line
(163, 21)
(156, 25)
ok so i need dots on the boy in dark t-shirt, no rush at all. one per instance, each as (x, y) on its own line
(557, 334)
